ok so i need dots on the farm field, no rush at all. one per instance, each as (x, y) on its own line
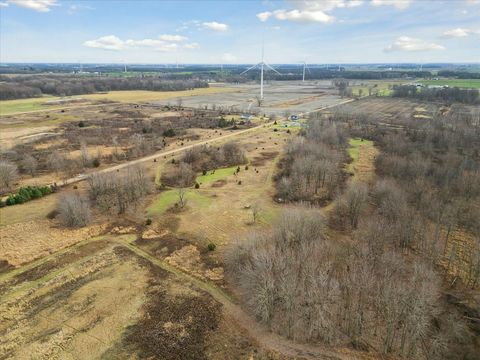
(8, 107)
(377, 87)
(461, 83)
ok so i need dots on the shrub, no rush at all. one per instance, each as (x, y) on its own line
(148, 222)
(2, 204)
(81, 124)
(204, 172)
(211, 247)
(96, 163)
(197, 186)
(10, 201)
(169, 133)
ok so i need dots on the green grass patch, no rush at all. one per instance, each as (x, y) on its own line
(24, 105)
(219, 174)
(461, 83)
(167, 199)
(354, 150)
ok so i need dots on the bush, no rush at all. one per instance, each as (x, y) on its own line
(169, 133)
(148, 222)
(197, 186)
(2, 204)
(211, 247)
(96, 163)
(10, 201)
(81, 124)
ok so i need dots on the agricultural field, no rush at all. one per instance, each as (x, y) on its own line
(461, 83)
(374, 87)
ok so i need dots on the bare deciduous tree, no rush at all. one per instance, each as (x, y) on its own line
(74, 210)
(29, 164)
(8, 175)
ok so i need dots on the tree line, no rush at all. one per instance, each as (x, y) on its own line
(18, 87)
(455, 94)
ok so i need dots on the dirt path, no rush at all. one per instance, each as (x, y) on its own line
(256, 331)
(82, 177)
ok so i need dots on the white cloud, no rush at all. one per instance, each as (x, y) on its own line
(324, 5)
(303, 16)
(37, 5)
(173, 38)
(309, 10)
(74, 8)
(456, 33)
(405, 43)
(164, 43)
(3, 4)
(227, 57)
(192, 46)
(398, 4)
(264, 16)
(109, 42)
(215, 26)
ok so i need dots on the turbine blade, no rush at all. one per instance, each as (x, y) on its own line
(271, 68)
(250, 68)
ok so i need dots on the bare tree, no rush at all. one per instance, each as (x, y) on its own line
(29, 164)
(256, 211)
(84, 153)
(182, 194)
(74, 210)
(355, 198)
(117, 194)
(56, 161)
(8, 175)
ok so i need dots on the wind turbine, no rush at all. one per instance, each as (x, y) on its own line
(305, 67)
(261, 65)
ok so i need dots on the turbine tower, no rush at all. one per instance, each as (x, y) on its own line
(262, 64)
(305, 67)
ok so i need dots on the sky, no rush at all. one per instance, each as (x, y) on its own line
(202, 32)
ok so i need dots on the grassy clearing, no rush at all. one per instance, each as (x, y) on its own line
(33, 210)
(381, 88)
(363, 153)
(54, 120)
(461, 83)
(24, 105)
(168, 199)
(143, 95)
(219, 174)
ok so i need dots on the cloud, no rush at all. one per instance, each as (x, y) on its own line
(405, 43)
(309, 10)
(37, 5)
(264, 16)
(227, 57)
(215, 26)
(191, 46)
(398, 4)
(173, 38)
(303, 16)
(109, 42)
(74, 8)
(456, 33)
(3, 4)
(164, 43)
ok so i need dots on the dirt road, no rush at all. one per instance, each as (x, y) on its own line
(82, 177)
